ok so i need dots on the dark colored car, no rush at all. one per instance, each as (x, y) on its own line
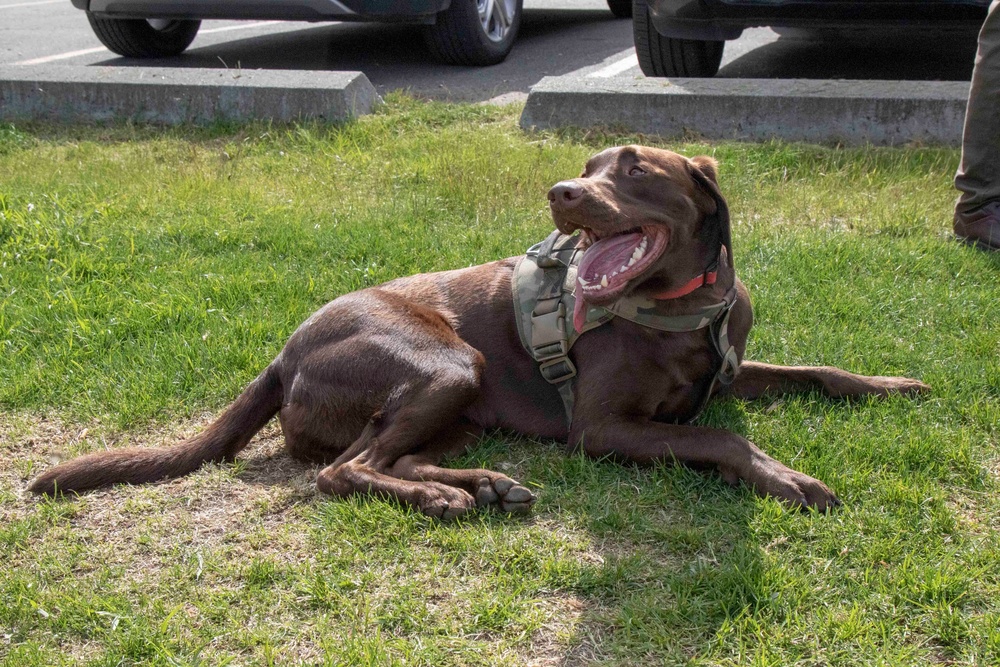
(686, 37)
(468, 32)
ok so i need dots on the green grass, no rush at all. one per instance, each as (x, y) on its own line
(147, 275)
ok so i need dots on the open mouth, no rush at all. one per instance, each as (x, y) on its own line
(610, 263)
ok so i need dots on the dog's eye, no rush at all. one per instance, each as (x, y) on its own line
(636, 171)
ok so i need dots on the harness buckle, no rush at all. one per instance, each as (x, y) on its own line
(548, 253)
(550, 351)
(556, 371)
(548, 331)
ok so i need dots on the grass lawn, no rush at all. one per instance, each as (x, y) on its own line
(147, 275)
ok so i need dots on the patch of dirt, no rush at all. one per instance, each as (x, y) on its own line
(568, 639)
(140, 528)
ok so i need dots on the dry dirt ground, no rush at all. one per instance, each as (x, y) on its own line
(185, 544)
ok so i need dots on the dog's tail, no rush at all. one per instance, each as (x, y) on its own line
(221, 441)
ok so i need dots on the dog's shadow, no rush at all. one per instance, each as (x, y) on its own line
(611, 551)
(628, 560)
(647, 555)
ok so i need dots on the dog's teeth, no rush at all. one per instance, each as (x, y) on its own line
(614, 274)
(631, 261)
(643, 244)
(624, 268)
(583, 283)
(604, 280)
(638, 253)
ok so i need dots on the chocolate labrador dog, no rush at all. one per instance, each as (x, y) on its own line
(384, 383)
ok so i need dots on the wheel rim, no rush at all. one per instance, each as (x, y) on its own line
(160, 25)
(495, 17)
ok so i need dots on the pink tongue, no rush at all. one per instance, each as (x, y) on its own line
(608, 255)
(602, 259)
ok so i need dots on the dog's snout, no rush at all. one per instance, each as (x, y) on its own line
(565, 193)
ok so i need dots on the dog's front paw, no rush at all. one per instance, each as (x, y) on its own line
(444, 502)
(841, 384)
(505, 493)
(792, 487)
(899, 385)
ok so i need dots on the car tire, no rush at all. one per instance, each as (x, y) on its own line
(474, 32)
(622, 9)
(668, 56)
(141, 38)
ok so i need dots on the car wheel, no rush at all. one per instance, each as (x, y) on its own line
(144, 38)
(668, 56)
(474, 32)
(621, 8)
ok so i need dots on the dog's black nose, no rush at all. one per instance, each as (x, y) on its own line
(565, 193)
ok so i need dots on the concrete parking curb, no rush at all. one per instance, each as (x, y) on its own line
(172, 96)
(847, 112)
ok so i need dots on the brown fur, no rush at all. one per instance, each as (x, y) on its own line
(383, 383)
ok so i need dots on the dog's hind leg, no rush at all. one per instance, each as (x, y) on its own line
(488, 487)
(414, 416)
(358, 475)
(375, 376)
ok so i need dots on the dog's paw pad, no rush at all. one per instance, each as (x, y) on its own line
(503, 485)
(486, 494)
(517, 499)
(516, 508)
(519, 494)
(506, 493)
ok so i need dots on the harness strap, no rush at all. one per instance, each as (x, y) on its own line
(541, 315)
(729, 362)
(644, 313)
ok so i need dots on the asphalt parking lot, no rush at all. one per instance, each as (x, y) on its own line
(558, 37)
(573, 56)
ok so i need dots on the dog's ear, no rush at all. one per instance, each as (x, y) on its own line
(707, 166)
(705, 172)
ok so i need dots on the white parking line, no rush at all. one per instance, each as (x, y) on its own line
(31, 4)
(611, 70)
(62, 56)
(100, 49)
(245, 26)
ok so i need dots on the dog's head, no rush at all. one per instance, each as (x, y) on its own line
(650, 220)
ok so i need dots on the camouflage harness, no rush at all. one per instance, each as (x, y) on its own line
(543, 290)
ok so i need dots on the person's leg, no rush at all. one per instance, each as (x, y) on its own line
(977, 213)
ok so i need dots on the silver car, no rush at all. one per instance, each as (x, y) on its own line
(463, 32)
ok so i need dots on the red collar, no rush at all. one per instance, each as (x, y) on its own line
(706, 278)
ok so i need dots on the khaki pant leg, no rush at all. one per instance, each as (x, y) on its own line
(978, 176)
